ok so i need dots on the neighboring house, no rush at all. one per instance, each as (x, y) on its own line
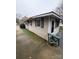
(44, 23)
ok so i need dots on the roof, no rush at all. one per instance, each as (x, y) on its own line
(48, 14)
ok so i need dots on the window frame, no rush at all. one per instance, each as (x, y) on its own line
(42, 22)
(30, 22)
(37, 22)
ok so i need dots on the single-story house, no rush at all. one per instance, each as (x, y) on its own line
(44, 23)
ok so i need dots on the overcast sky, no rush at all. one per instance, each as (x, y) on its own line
(35, 7)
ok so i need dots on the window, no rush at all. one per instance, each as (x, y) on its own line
(42, 22)
(57, 21)
(37, 22)
(30, 22)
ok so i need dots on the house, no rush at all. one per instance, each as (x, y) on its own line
(44, 23)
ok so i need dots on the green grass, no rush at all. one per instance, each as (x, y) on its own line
(35, 37)
(28, 32)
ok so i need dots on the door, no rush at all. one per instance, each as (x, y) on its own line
(52, 28)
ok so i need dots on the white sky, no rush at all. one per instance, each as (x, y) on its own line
(35, 7)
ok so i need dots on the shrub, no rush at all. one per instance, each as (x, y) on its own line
(61, 28)
(22, 26)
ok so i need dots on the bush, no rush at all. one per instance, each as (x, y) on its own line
(22, 26)
(61, 28)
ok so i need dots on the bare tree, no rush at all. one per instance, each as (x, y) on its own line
(18, 15)
(59, 9)
(17, 20)
(23, 19)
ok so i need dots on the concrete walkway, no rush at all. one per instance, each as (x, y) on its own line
(27, 48)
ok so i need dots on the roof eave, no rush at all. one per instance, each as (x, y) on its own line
(46, 15)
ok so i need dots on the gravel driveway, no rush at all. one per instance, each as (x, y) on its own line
(27, 48)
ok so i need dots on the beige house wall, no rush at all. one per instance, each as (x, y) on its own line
(42, 32)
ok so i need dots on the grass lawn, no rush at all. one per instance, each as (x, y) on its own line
(34, 36)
